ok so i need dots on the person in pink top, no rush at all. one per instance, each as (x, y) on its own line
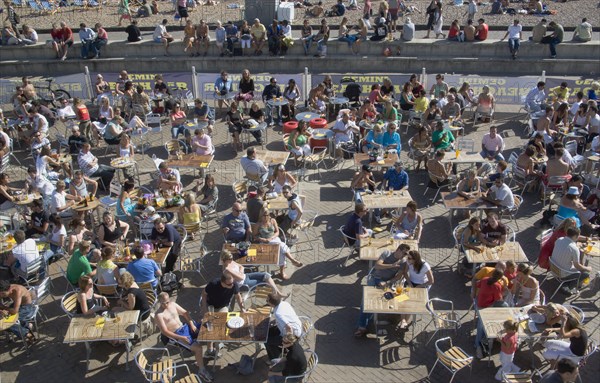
(202, 143)
(508, 347)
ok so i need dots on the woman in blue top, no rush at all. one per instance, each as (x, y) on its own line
(373, 139)
(125, 206)
(391, 138)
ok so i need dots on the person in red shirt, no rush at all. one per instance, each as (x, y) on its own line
(62, 39)
(482, 30)
(490, 290)
(83, 115)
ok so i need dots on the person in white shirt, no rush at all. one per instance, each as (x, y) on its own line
(492, 145)
(536, 97)
(514, 34)
(596, 144)
(61, 202)
(566, 254)
(38, 121)
(38, 183)
(161, 36)
(286, 322)
(576, 104)
(344, 129)
(89, 164)
(24, 253)
(583, 32)
(500, 194)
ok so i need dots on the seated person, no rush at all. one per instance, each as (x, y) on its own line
(492, 145)
(208, 193)
(203, 112)
(552, 313)
(134, 298)
(439, 173)
(362, 181)
(486, 272)
(469, 184)
(166, 235)
(525, 289)
(295, 360)
(451, 109)
(556, 166)
(38, 224)
(114, 130)
(168, 178)
(571, 329)
(571, 207)
(566, 371)
(202, 143)
(254, 168)
(86, 298)
(241, 278)
(391, 139)
(23, 253)
(409, 224)
(500, 194)
(79, 264)
(354, 228)
(168, 321)
(500, 170)
(442, 138)
(395, 178)
(493, 233)
(21, 304)
(236, 225)
(316, 10)
(144, 269)
(338, 9)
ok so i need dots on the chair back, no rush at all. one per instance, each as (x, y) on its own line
(307, 326)
(108, 290)
(346, 238)
(457, 233)
(561, 273)
(153, 371)
(516, 377)
(68, 303)
(466, 144)
(240, 188)
(258, 295)
(32, 269)
(115, 188)
(556, 182)
(182, 233)
(571, 147)
(41, 291)
(311, 364)
(453, 358)
(153, 121)
(576, 312)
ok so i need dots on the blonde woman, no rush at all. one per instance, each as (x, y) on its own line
(106, 112)
(86, 298)
(280, 178)
(134, 298)
(107, 271)
(190, 213)
(525, 289)
(266, 230)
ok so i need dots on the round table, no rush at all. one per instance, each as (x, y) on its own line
(26, 199)
(261, 127)
(320, 137)
(83, 207)
(307, 116)
(339, 100)
(277, 102)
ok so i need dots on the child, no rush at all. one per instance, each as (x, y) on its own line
(508, 347)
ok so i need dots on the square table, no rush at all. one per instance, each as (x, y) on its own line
(255, 330)
(386, 200)
(267, 254)
(510, 251)
(272, 157)
(99, 329)
(371, 249)
(363, 159)
(594, 248)
(159, 256)
(463, 158)
(281, 203)
(375, 303)
(191, 161)
(453, 201)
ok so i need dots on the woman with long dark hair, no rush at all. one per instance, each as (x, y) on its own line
(417, 274)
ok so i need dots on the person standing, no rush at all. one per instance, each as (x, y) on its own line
(12, 17)
(555, 38)
(514, 34)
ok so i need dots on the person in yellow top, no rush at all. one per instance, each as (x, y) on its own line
(421, 102)
(561, 92)
(258, 33)
(190, 212)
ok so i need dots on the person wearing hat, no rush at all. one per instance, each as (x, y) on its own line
(408, 30)
(362, 181)
(381, 30)
(148, 216)
(571, 207)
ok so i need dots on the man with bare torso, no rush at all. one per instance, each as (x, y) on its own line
(22, 305)
(556, 166)
(170, 325)
(202, 36)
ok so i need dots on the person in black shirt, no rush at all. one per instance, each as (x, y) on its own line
(76, 140)
(271, 92)
(295, 361)
(133, 32)
(161, 87)
(218, 294)
(134, 297)
(39, 220)
(166, 235)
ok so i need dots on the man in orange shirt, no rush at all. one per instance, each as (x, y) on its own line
(482, 30)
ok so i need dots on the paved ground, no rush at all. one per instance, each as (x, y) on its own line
(324, 289)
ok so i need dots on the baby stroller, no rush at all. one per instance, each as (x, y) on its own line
(352, 91)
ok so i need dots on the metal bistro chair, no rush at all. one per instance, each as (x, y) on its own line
(305, 225)
(240, 189)
(517, 377)
(512, 212)
(457, 234)
(442, 320)
(555, 184)
(41, 291)
(563, 276)
(307, 326)
(153, 369)
(68, 303)
(153, 121)
(112, 198)
(316, 158)
(434, 183)
(311, 364)
(347, 243)
(148, 323)
(32, 271)
(109, 291)
(258, 298)
(453, 358)
(170, 375)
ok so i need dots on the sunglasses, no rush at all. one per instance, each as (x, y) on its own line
(236, 210)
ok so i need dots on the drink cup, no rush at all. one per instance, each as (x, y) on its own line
(209, 326)
(211, 310)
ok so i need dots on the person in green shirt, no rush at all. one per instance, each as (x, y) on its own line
(79, 264)
(555, 38)
(442, 138)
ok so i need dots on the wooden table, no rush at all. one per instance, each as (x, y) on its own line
(98, 329)
(375, 303)
(8, 322)
(453, 201)
(371, 249)
(122, 162)
(267, 254)
(510, 251)
(281, 203)
(26, 199)
(255, 330)
(363, 159)
(388, 199)
(86, 205)
(159, 256)
(463, 158)
(272, 157)
(191, 161)
(64, 158)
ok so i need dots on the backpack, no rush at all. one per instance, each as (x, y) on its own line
(353, 91)
(169, 282)
(245, 366)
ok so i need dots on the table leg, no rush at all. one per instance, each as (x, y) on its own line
(375, 323)
(88, 351)
(127, 349)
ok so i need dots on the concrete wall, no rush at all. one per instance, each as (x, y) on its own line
(437, 56)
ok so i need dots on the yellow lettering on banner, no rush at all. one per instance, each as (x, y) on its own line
(586, 81)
